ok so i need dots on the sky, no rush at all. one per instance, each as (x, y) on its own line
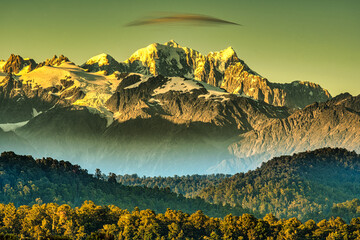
(282, 40)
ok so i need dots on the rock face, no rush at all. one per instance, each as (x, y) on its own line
(334, 123)
(220, 69)
(16, 63)
(185, 101)
(297, 94)
(54, 61)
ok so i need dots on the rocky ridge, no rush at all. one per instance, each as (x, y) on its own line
(15, 64)
(221, 69)
(334, 123)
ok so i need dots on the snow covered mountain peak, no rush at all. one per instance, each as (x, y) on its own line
(103, 62)
(228, 53)
(101, 59)
(220, 69)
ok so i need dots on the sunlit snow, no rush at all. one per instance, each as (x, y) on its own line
(97, 87)
(101, 59)
(7, 127)
(177, 84)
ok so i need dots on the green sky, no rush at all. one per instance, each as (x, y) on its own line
(283, 40)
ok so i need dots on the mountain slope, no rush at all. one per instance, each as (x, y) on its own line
(305, 185)
(334, 124)
(154, 121)
(148, 120)
(60, 84)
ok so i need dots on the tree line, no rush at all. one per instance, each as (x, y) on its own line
(91, 221)
(187, 185)
(305, 185)
(311, 185)
(26, 181)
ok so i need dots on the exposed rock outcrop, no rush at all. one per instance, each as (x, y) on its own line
(335, 123)
(16, 63)
(54, 61)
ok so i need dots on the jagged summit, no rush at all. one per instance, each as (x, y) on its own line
(172, 43)
(54, 61)
(222, 69)
(225, 53)
(19, 65)
(16, 64)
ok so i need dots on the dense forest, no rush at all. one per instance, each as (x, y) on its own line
(305, 185)
(50, 199)
(189, 185)
(347, 210)
(310, 185)
(25, 181)
(90, 221)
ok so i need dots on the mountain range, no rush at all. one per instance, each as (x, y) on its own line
(166, 110)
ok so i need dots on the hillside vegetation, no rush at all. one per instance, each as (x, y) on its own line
(305, 185)
(25, 181)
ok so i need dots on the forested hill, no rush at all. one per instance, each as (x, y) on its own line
(25, 181)
(188, 185)
(305, 185)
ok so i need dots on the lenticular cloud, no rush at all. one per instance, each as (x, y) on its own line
(182, 18)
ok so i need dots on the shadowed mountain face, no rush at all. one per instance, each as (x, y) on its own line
(335, 123)
(159, 125)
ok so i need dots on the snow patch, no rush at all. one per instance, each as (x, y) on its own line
(153, 101)
(7, 127)
(215, 95)
(101, 59)
(177, 84)
(36, 113)
(96, 87)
